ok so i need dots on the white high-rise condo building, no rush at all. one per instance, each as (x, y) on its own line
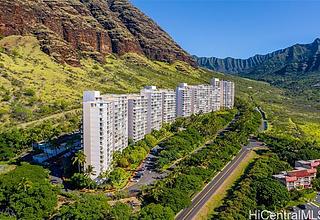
(154, 110)
(168, 105)
(137, 116)
(202, 98)
(120, 120)
(98, 142)
(227, 94)
(184, 105)
(109, 120)
(216, 94)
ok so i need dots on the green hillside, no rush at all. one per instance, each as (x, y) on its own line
(33, 86)
(288, 115)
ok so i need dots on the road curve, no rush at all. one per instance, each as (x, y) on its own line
(201, 198)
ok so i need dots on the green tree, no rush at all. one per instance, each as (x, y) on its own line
(90, 171)
(86, 207)
(123, 162)
(27, 192)
(271, 193)
(150, 140)
(29, 92)
(121, 211)
(25, 184)
(174, 199)
(118, 177)
(81, 181)
(156, 212)
(79, 158)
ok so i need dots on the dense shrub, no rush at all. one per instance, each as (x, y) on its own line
(27, 193)
(156, 211)
(81, 181)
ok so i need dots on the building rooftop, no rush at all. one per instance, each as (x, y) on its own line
(301, 172)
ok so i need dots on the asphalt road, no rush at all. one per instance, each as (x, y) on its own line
(317, 199)
(310, 211)
(201, 198)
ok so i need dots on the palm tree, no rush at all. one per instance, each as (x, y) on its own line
(157, 190)
(90, 171)
(79, 158)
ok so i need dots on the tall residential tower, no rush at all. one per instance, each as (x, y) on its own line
(227, 94)
(154, 107)
(98, 132)
(168, 105)
(137, 116)
(184, 105)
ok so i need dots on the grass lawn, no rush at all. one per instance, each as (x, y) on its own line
(216, 199)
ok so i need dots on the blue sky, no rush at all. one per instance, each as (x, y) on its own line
(237, 29)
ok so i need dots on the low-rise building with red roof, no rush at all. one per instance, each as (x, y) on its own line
(301, 177)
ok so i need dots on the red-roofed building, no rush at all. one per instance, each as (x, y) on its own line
(301, 177)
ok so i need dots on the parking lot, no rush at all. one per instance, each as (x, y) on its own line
(146, 174)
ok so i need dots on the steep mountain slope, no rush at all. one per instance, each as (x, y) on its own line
(33, 85)
(71, 29)
(299, 58)
(296, 68)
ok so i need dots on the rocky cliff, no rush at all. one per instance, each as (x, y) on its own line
(71, 29)
(299, 58)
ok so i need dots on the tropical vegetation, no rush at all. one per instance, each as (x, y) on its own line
(191, 174)
(25, 193)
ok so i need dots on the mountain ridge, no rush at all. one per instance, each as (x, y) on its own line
(69, 30)
(307, 55)
(295, 68)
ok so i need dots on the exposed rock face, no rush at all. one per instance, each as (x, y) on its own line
(71, 29)
(300, 58)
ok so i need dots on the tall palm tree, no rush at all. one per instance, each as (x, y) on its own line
(79, 158)
(90, 171)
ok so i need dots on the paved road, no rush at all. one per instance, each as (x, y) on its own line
(200, 199)
(264, 121)
(310, 211)
(317, 199)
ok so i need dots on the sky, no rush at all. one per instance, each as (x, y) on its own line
(237, 28)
